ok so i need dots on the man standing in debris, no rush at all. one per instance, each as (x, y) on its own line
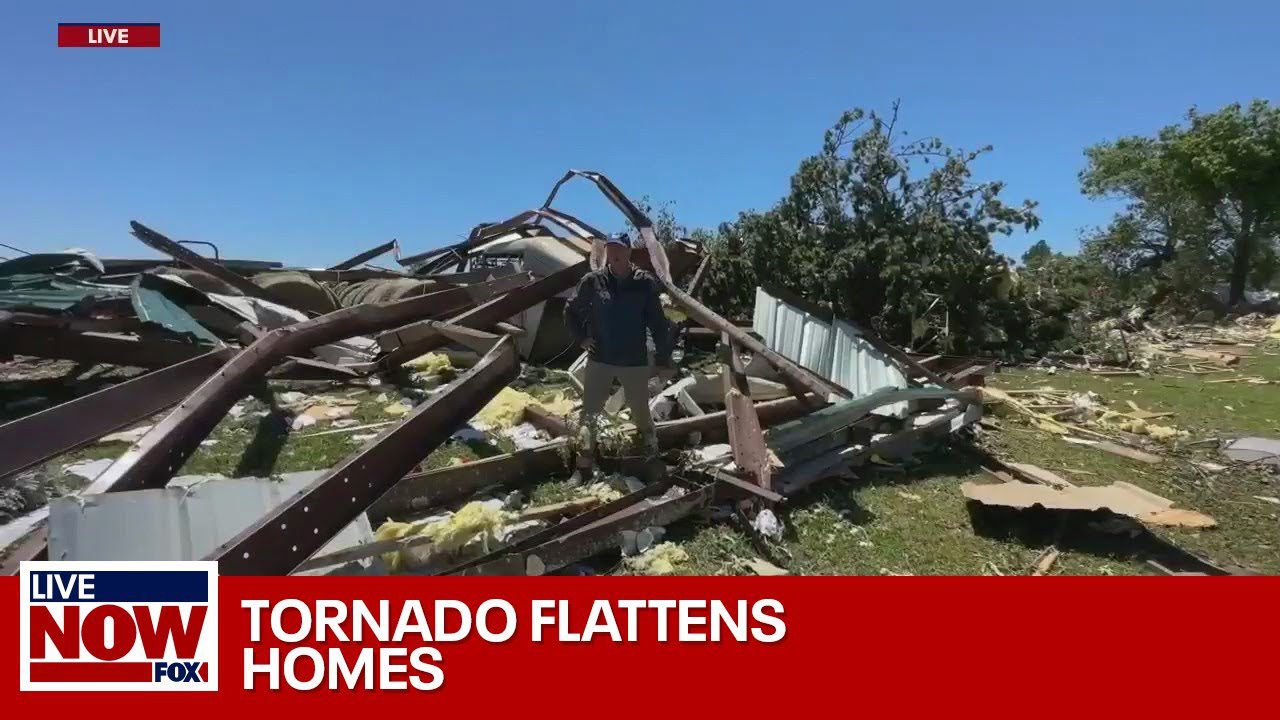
(609, 315)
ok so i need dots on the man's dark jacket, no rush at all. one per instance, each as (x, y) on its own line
(615, 312)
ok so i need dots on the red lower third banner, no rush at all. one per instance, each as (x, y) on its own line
(754, 647)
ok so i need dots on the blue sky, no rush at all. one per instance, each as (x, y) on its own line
(307, 132)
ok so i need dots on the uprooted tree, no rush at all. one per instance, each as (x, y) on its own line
(1203, 204)
(892, 233)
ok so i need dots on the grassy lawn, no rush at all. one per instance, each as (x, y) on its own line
(261, 442)
(916, 521)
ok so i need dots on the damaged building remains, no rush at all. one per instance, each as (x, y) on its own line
(463, 344)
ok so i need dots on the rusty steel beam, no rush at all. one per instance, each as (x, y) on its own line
(605, 534)
(61, 343)
(156, 241)
(480, 293)
(572, 544)
(486, 316)
(576, 522)
(61, 429)
(422, 491)
(281, 540)
(539, 417)
(367, 255)
(470, 338)
(794, 376)
(82, 324)
(746, 437)
(611, 191)
(696, 283)
(152, 461)
(733, 487)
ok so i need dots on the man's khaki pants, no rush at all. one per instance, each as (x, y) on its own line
(597, 386)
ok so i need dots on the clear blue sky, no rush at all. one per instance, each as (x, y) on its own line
(306, 132)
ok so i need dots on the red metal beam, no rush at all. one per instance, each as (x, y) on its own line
(65, 344)
(61, 429)
(366, 256)
(284, 538)
(156, 241)
(420, 337)
(153, 460)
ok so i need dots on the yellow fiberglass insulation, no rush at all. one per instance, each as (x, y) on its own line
(507, 409)
(430, 363)
(561, 405)
(660, 559)
(447, 535)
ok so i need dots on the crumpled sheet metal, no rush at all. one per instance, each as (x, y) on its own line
(834, 350)
(1254, 449)
(1121, 498)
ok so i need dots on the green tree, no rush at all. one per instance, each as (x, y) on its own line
(1210, 188)
(877, 225)
(1037, 255)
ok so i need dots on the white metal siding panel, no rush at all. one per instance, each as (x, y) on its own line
(184, 521)
(838, 353)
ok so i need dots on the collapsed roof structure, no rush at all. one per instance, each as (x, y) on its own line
(806, 395)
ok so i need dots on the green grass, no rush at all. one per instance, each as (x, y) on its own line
(262, 446)
(917, 522)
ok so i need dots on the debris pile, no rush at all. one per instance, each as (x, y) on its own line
(1067, 413)
(457, 348)
(1195, 348)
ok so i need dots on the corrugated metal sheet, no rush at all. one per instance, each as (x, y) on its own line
(835, 351)
(183, 521)
(52, 292)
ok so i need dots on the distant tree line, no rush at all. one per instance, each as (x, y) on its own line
(896, 234)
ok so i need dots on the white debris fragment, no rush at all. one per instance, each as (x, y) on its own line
(525, 436)
(127, 436)
(88, 469)
(768, 525)
(516, 532)
(292, 399)
(623, 483)
(236, 410)
(303, 421)
(714, 451)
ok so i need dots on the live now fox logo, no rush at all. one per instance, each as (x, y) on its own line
(118, 626)
(109, 35)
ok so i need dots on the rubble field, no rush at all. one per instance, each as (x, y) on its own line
(422, 419)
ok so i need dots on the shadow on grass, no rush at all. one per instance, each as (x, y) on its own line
(263, 451)
(1102, 534)
(1099, 533)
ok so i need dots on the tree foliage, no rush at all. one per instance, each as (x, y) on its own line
(880, 226)
(1203, 203)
